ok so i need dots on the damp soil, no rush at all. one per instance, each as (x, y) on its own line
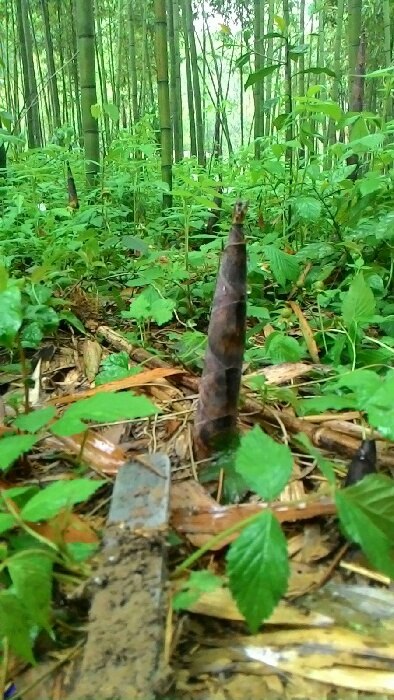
(124, 650)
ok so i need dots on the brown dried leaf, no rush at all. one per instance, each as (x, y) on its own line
(149, 375)
(91, 353)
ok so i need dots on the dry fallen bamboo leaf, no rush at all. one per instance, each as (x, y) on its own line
(149, 375)
(306, 331)
(93, 449)
(219, 603)
(198, 516)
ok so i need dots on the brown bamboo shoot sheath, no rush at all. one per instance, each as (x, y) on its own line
(217, 410)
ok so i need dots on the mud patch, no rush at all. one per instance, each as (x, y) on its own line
(123, 655)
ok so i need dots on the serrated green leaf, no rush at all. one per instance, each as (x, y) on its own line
(95, 111)
(359, 304)
(11, 315)
(264, 464)
(325, 466)
(366, 514)
(7, 522)
(320, 404)
(258, 569)
(31, 577)
(282, 348)
(284, 266)
(308, 208)
(13, 446)
(162, 310)
(363, 382)
(103, 408)
(371, 184)
(35, 420)
(199, 582)
(55, 497)
(380, 407)
(81, 551)
(14, 625)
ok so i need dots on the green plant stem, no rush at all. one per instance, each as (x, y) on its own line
(27, 529)
(238, 527)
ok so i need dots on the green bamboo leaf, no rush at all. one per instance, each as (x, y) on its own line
(258, 569)
(260, 74)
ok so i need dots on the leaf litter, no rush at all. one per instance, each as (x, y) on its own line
(332, 631)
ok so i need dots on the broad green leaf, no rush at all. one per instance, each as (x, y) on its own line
(320, 404)
(260, 74)
(363, 382)
(18, 494)
(7, 522)
(111, 109)
(13, 446)
(275, 167)
(263, 463)
(380, 72)
(11, 314)
(358, 129)
(95, 111)
(15, 625)
(72, 320)
(259, 312)
(103, 408)
(308, 208)
(380, 407)
(81, 551)
(284, 267)
(366, 514)
(31, 576)
(162, 310)
(371, 184)
(199, 582)
(258, 569)
(280, 22)
(316, 70)
(55, 497)
(135, 243)
(358, 305)
(325, 466)
(282, 348)
(35, 420)
(329, 109)
(140, 308)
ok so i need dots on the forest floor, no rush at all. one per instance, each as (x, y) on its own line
(333, 634)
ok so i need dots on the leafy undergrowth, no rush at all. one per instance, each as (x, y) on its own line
(320, 264)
